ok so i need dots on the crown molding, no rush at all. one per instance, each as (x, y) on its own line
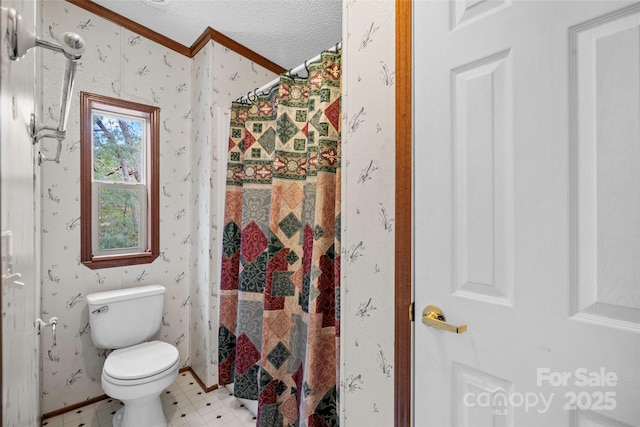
(127, 23)
(207, 35)
(218, 37)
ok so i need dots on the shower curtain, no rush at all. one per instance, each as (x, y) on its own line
(279, 315)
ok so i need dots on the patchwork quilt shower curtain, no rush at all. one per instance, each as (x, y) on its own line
(279, 316)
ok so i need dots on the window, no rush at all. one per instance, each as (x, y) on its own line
(119, 182)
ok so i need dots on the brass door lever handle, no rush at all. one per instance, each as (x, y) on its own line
(434, 317)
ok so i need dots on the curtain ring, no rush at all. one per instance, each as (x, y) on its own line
(306, 67)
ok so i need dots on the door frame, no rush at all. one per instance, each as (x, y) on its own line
(1, 359)
(403, 381)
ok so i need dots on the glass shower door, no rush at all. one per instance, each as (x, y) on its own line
(19, 192)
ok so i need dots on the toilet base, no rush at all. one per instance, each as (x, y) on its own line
(141, 398)
(140, 413)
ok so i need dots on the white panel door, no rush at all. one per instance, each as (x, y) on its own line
(527, 212)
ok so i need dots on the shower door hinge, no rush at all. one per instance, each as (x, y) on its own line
(412, 311)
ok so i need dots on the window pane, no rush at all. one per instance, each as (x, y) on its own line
(118, 149)
(118, 218)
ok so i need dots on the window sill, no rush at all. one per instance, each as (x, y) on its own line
(120, 260)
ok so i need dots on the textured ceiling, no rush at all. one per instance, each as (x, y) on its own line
(287, 32)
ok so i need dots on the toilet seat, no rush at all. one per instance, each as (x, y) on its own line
(140, 363)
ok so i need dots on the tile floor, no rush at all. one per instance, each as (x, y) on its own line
(184, 403)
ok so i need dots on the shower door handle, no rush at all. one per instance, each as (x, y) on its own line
(12, 280)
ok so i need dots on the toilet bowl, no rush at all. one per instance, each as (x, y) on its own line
(137, 376)
(138, 369)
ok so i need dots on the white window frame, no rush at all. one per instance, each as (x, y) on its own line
(96, 185)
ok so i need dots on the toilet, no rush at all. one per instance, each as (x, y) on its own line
(138, 370)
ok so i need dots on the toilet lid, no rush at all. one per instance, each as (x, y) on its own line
(141, 361)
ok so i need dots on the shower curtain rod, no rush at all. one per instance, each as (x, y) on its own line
(267, 87)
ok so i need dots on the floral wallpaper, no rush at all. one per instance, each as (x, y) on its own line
(219, 76)
(122, 64)
(368, 208)
(194, 96)
(201, 227)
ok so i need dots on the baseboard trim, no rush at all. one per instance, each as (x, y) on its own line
(73, 407)
(104, 396)
(199, 381)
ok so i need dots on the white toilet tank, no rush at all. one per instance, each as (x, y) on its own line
(125, 317)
